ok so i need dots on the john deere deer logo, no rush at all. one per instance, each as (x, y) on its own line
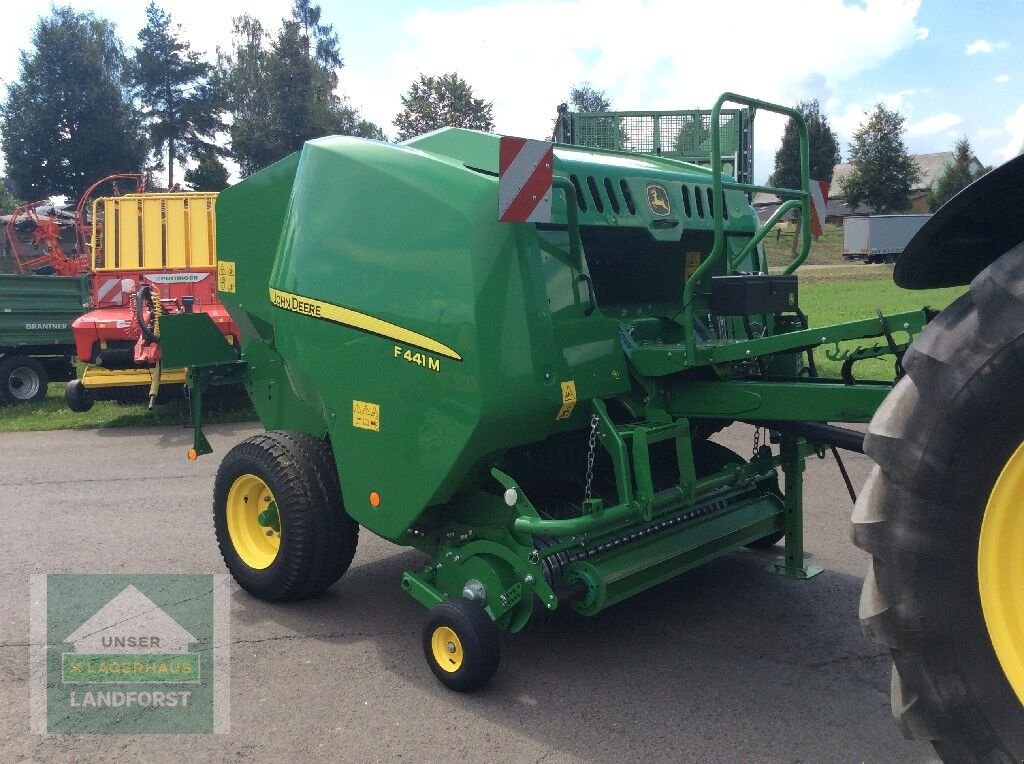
(657, 198)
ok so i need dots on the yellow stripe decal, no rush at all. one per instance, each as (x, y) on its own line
(325, 311)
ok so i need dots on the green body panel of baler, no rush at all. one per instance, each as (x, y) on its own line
(385, 304)
(528, 403)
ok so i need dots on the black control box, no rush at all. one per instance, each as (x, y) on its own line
(752, 294)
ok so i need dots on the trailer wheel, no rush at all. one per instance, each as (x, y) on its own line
(278, 515)
(942, 515)
(460, 643)
(22, 379)
(77, 396)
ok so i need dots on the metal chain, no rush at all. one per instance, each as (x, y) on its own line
(757, 442)
(592, 444)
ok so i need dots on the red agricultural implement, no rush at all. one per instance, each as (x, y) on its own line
(45, 253)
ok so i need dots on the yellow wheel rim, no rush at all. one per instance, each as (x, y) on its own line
(1001, 569)
(447, 649)
(254, 525)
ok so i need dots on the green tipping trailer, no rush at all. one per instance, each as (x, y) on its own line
(528, 404)
(36, 343)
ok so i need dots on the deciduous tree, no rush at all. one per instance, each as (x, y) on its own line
(882, 173)
(585, 97)
(209, 174)
(281, 88)
(445, 101)
(957, 175)
(822, 148)
(8, 201)
(69, 119)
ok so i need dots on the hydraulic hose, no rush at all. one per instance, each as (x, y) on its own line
(818, 432)
(154, 387)
(151, 329)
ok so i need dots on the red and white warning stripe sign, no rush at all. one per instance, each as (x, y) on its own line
(524, 180)
(819, 205)
(113, 291)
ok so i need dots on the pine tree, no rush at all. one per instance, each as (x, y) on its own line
(178, 92)
(822, 148)
(956, 176)
(69, 119)
(250, 100)
(445, 101)
(882, 172)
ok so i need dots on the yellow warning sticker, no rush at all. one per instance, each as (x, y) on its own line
(692, 263)
(568, 399)
(225, 276)
(366, 416)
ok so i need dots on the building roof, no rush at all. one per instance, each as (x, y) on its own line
(929, 167)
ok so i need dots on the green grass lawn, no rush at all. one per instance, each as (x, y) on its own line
(827, 249)
(830, 296)
(52, 413)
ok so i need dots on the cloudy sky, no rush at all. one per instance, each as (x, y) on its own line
(952, 68)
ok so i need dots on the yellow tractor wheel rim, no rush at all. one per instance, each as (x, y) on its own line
(1001, 569)
(447, 649)
(253, 521)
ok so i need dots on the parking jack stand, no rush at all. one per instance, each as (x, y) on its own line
(792, 565)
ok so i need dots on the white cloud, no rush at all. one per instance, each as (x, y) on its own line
(1002, 78)
(984, 46)
(847, 118)
(639, 59)
(638, 56)
(1013, 129)
(937, 123)
(206, 24)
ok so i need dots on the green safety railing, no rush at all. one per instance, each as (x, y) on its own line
(795, 197)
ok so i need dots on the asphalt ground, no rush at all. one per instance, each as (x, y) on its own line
(727, 663)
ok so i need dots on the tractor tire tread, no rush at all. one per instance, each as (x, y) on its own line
(920, 595)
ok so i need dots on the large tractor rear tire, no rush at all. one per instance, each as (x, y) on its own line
(942, 515)
(278, 515)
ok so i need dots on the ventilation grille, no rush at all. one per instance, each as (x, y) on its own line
(601, 194)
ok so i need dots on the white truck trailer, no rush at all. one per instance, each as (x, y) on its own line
(879, 238)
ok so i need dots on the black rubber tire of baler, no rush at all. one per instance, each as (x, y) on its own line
(478, 636)
(318, 537)
(939, 442)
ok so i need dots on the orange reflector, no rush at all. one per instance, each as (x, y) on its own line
(192, 455)
(374, 499)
